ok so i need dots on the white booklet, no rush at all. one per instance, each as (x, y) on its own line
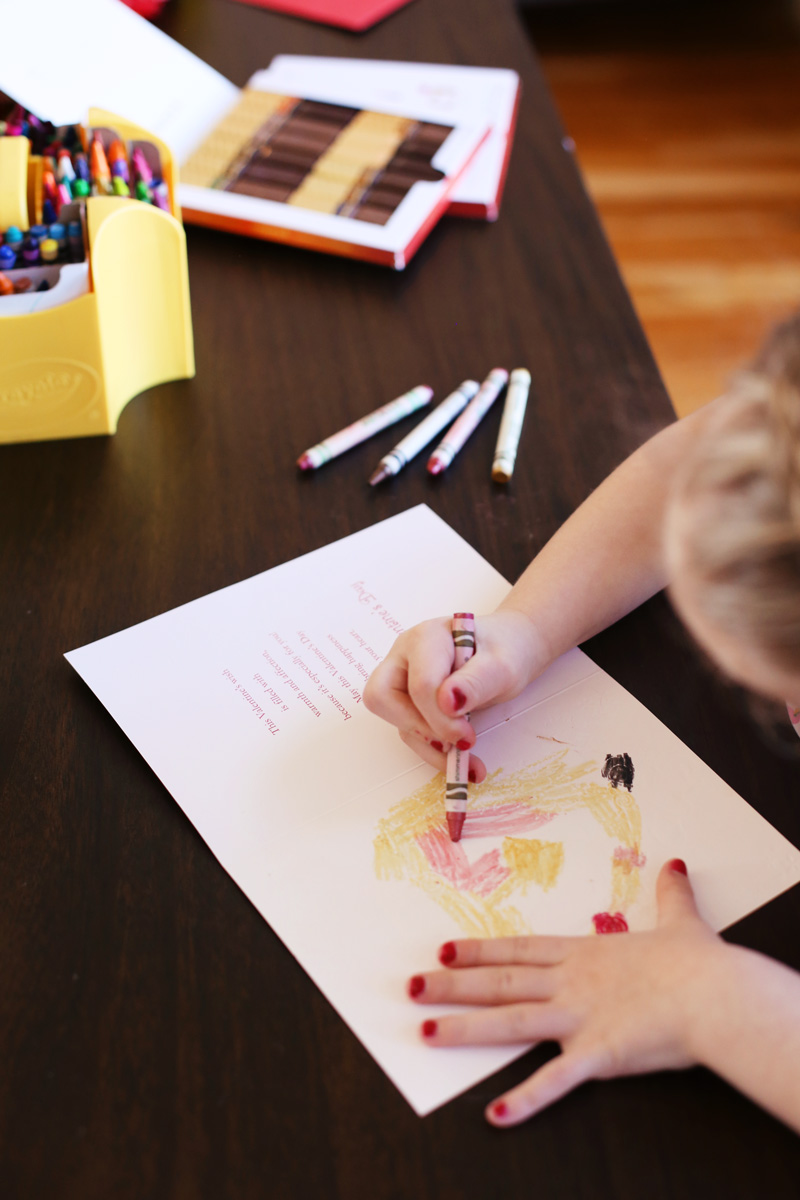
(320, 155)
(247, 705)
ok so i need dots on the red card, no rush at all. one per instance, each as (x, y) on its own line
(351, 14)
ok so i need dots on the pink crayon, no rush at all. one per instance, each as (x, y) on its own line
(468, 422)
(364, 428)
(457, 777)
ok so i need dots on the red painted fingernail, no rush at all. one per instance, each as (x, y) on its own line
(500, 1109)
(677, 864)
(472, 775)
(447, 954)
(438, 745)
(462, 745)
(429, 1028)
(459, 698)
(416, 985)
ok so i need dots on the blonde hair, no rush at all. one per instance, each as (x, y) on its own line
(737, 501)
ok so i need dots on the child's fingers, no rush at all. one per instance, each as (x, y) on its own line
(424, 679)
(508, 1025)
(475, 952)
(550, 1083)
(435, 753)
(484, 985)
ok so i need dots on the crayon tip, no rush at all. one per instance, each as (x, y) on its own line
(455, 823)
(435, 465)
(304, 462)
(378, 476)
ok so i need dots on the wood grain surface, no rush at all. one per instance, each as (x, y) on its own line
(156, 1039)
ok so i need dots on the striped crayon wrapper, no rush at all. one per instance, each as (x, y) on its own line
(365, 427)
(457, 774)
(425, 432)
(505, 452)
(468, 422)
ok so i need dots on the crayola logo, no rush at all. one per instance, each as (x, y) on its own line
(35, 393)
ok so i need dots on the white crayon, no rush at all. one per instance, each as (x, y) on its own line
(364, 428)
(425, 432)
(505, 452)
(469, 420)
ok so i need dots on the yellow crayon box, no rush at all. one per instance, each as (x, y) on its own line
(108, 328)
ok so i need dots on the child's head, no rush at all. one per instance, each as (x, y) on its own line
(733, 525)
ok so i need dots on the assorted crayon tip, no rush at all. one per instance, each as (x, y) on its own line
(76, 164)
(465, 407)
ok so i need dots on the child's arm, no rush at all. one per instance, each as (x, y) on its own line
(625, 1004)
(604, 561)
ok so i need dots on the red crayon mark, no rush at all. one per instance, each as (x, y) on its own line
(447, 954)
(500, 1109)
(505, 820)
(630, 854)
(610, 923)
(448, 860)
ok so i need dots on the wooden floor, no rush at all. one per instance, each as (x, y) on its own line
(686, 121)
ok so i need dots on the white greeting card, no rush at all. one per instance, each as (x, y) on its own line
(247, 705)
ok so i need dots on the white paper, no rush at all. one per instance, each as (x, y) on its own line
(101, 54)
(130, 68)
(246, 704)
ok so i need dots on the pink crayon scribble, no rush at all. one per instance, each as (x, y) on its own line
(448, 860)
(630, 854)
(610, 923)
(504, 820)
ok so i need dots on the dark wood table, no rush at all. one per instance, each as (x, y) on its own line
(156, 1039)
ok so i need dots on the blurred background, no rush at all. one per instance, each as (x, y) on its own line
(686, 120)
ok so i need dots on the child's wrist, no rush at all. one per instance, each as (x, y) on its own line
(531, 650)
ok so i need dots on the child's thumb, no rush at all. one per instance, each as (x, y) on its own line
(674, 894)
(475, 685)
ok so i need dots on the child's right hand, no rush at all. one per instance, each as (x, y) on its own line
(416, 689)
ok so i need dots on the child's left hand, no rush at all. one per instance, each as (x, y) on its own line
(620, 1004)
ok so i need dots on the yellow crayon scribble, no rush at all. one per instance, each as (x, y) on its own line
(625, 882)
(411, 842)
(531, 861)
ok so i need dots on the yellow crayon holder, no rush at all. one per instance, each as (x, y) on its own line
(70, 369)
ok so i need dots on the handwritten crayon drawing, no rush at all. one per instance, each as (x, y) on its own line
(482, 892)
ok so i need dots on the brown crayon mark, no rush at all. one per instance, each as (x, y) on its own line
(618, 769)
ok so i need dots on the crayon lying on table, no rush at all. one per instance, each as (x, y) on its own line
(505, 452)
(457, 775)
(468, 422)
(364, 428)
(423, 433)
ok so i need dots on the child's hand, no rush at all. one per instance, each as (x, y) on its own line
(416, 689)
(620, 1004)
